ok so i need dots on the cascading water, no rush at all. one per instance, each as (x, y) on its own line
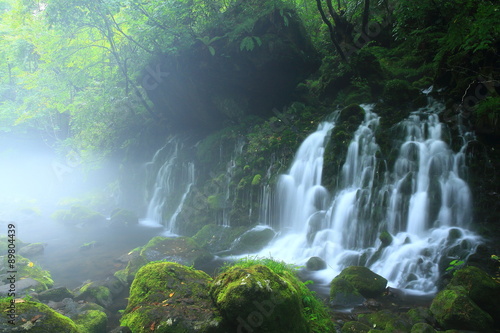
(427, 210)
(174, 178)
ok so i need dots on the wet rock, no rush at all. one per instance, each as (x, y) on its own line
(252, 241)
(255, 298)
(55, 294)
(23, 286)
(366, 282)
(480, 287)
(92, 292)
(217, 238)
(173, 297)
(387, 321)
(182, 250)
(355, 327)
(91, 321)
(343, 294)
(422, 328)
(315, 264)
(25, 270)
(453, 309)
(35, 317)
(385, 239)
(32, 250)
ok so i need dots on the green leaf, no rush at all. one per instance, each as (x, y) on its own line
(212, 50)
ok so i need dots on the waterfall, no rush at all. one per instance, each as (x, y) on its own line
(423, 204)
(171, 179)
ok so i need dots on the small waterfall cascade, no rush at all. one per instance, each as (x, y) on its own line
(173, 179)
(227, 193)
(422, 205)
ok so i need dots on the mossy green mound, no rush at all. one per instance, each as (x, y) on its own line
(480, 287)
(182, 250)
(256, 298)
(422, 328)
(252, 240)
(216, 238)
(29, 277)
(366, 282)
(387, 321)
(355, 327)
(92, 321)
(169, 297)
(55, 294)
(123, 217)
(34, 317)
(453, 309)
(344, 294)
(91, 292)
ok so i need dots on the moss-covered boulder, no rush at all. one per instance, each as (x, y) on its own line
(217, 238)
(29, 277)
(422, 328)
(256, 298)
(366, 282)
(55, 294)
(480, 287)
(79, 215)
(453, 309)
(252, 240)
(169, 297)
(315, 264)
(344, 294)
(92, 321)
(183, 250)
(355, 327)
(32, 250)
(387, 321)
(95, 293)
(33, 317)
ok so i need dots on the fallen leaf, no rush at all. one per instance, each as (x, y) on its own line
(35, 318)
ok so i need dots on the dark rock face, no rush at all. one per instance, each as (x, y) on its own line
(239, 68)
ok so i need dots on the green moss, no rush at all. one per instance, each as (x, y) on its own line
(252, 241)
(92, 321)
(269, 289)
(387, 321)
(399, 92)
(78, 215)
(55, 294)
(256, 180)
(481, 288)
(26, 269)
(385, 238)
(216, 238)
(47, 320)
(171, 298)
(453, 309)
(344, 294)
(422, 328)
(364, 280)
(92, 292)
(124, 217)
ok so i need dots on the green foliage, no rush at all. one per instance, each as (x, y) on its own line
(455, 264)
(248, 43)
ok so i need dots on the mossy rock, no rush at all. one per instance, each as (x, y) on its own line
(217, 238)
(29, 277)
(422, 328)
(344, 294)
(34, 317)
(315, 264)
(453, 309)
(368, 283)
(480, 287)
(183, 250)
(32, 250)
(92, 321)
(123, 217)
(55, 294)
(169, 297)
(355, 327)
(387, 321)
(92, 292)
(252, 240)
(385, 239)
(420, 315)
(256, 298)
